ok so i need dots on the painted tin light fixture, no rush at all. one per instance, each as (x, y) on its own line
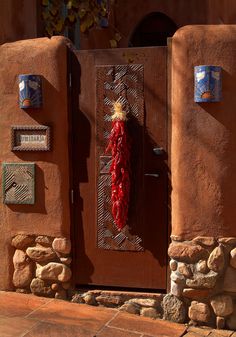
(207, 83)
(30, 91)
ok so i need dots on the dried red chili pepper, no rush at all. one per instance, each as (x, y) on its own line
(119, 146)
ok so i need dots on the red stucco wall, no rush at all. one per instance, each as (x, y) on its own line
(126, 15)
(18, 20)
(50, 213)
(203, 135)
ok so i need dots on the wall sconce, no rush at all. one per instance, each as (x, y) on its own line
(207, 83)
(30, 91)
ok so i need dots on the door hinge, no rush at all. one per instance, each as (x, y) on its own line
(72, 196)
(70, 80)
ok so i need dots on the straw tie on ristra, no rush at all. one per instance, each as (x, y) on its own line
(119, 146)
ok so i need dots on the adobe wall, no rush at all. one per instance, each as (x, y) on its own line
(126, 15)
(203, 166)
(49, 216)
(203, 135)
(18, 20)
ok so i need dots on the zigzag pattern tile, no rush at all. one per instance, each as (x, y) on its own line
(18, 183)
(123, 82)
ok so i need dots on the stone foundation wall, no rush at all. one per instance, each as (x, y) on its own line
(203, 282)
(143, 304)
(42, 265)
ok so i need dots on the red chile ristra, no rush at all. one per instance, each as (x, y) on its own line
(119, 146)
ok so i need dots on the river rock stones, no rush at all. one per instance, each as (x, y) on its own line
(199, 312)
(185, 269)
(144, 302)
(201, 267)
(39, 268)
(38, 287)
(174, 309)
(41, 254)
(222, 305)
(205, 240)
(131, 308)
(44, 240)
(149, 312)
(229, 284)
(233, 258)
(21, 241)
(23, 276)
(176, 289)
(203, 280)
(54, 271)
(204, 270)
(189, 253)
(173, 265)
(216, 261)
(20, 259)
(62, 245)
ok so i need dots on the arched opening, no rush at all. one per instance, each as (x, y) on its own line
(153, 30)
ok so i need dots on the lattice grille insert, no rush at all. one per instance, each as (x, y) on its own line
(18, 183)
(123, 82)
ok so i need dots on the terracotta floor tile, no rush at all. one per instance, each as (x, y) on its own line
(58, 330)
(204, 331)
(220, 333)
(147, 326)
(223, 333)
(13, 304)
(74, 314)
(193, 334)
(114, 332)
(158, 335)
(15, 326)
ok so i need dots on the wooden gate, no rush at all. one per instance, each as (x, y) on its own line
(136, 257)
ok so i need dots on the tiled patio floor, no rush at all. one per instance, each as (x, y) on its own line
(30, 316)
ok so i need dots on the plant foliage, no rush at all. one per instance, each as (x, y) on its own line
(58, 15)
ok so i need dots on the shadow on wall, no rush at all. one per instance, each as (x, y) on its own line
(79, 153)
(223, 115)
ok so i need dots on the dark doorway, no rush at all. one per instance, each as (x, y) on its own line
(153, 30)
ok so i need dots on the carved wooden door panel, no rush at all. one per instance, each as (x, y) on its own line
(136, 256)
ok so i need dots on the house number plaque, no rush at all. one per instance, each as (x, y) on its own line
(30, 138)
(18, 183)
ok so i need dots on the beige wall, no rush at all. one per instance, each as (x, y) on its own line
(50, 213)
(203, 135)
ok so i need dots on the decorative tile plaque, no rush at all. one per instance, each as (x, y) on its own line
(207, 83)
(30, 91)
(18, 183)
(30, 138)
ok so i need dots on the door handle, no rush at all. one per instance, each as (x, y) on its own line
(158, 151)
(154, 175)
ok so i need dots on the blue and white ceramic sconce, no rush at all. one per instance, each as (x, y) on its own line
(30, 91)
(207, 83)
